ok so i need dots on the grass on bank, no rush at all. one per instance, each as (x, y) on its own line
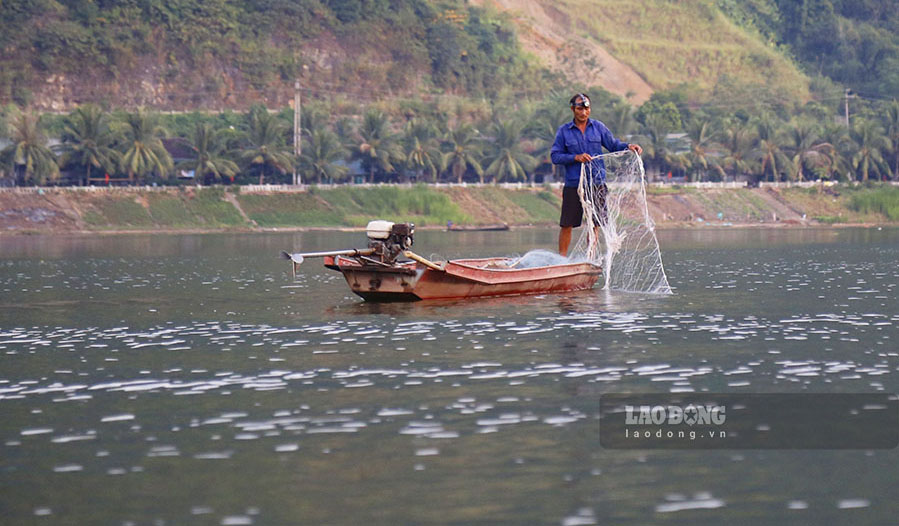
(352, 206)
(209, 205)
(113, 211)
(185, 208)
(882, 200)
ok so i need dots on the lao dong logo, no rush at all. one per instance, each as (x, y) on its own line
(675, 415)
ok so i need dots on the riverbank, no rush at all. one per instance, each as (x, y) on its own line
(236, 209)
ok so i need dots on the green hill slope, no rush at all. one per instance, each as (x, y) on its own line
(688, 41)
(649, 45)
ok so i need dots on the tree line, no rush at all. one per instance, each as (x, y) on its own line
(482, 143)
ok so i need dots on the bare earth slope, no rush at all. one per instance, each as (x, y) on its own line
(546, 32)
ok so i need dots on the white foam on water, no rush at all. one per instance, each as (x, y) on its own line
(700, 501)
(848, 504)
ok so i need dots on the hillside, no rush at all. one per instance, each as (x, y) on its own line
(187, 55)
(225, 54)
(647, 45)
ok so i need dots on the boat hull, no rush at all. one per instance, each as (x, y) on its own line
(466, 278)
(478, 228)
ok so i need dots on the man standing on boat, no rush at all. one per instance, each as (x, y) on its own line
(578, 142)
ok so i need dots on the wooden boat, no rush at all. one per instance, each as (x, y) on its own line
(377, 273)
(458, 278)
(450, 227)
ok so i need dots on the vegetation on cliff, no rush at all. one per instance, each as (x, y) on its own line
(225, 53)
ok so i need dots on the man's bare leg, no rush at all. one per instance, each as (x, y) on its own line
(564, 240)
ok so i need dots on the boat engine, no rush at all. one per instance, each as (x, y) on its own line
(388, 240)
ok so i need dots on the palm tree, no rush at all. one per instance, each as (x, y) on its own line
(422, 152)
(807, 147)
(621, 119)
(768, 149)
(87, 141)
(892, 126)
(506, 160)
(839, 156)
(738, 139)
(314, 118)
(376, 146)
(702, 143)
(208, 146)
(870, 144)
(145, 153)
(655, 131)
(321, 154)
(464, 152)
(28, 154)
(542, 128)
(264, 147)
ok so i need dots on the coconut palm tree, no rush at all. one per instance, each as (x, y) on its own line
(144, 152)
(542, 128)
(654, 138)
(870, 145)
(658, 121)
(737, 140)
(700, 158)
(768, 151)
(464, 153)
(839, 156)
(807, 149)
(505, 159)
(264, 146)
(891, 117)
(315, 117)
(321, 154)
(621, 119)
(421, 148)
(376, 146)
(208, 146)
(87, 141)
(28, 155)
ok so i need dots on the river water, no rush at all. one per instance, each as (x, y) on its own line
(188, 379)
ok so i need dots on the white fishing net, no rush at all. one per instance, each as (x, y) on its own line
(539, 258)
(620, 235)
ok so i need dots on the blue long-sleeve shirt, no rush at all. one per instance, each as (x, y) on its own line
(571, 142)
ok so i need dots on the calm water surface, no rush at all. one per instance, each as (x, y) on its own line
(190, 380)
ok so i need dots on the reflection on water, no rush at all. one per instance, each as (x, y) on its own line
(189, 379)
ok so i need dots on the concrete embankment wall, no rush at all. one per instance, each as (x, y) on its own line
(102, 209)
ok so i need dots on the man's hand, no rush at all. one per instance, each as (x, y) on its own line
(583, 158)
(635, 148)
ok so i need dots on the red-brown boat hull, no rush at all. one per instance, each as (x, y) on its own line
(463, 278)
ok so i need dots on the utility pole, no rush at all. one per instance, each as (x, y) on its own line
(846, 99)
(297, 129)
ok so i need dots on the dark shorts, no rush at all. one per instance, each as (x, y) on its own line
(573, 212)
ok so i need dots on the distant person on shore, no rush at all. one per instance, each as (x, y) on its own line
(578, 142)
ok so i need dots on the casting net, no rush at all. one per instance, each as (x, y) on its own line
(620, 235)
